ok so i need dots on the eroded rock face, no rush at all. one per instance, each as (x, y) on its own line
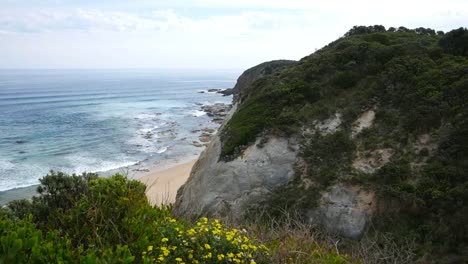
(371, 161)
(366, 120)
(345, 210)
(226, 188)
(330, 125)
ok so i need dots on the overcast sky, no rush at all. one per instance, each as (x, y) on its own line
(203, 34)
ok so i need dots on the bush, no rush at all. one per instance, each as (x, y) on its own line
(109, 220)
(206, 242)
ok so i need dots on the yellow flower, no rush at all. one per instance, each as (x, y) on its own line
(178, 259)
(192, 232)
(253, 262)
(150, 248)
(220, 257)
(164, 239)
(161, 258)
(207, 246)
(244, 247)
(230, 255)
(165, 251)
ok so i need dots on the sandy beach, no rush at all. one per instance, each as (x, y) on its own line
(162, 185)
(163, 179)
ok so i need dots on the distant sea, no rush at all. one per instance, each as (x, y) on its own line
(78, 121)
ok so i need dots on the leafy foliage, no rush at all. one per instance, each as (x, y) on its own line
(85, 219)
(456, 42)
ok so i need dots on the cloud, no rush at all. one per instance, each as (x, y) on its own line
(196, 33)
(247, 23)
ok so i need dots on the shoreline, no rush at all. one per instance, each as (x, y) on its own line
(162, 185)
(162, 179)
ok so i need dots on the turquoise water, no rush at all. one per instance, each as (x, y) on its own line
(98, 120)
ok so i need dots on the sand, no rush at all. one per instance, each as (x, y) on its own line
(162, 185)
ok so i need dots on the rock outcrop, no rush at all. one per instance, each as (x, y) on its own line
(226, 188)
(217, 111)
(345, 210)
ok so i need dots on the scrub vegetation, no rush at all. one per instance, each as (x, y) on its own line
(416, 81)
(86, 219)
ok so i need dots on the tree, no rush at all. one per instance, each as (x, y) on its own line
(455, 42)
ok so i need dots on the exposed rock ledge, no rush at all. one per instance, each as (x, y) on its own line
(345, 210)
(226, 188)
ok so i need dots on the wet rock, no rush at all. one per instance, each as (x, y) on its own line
(218, 120)
(226, 92)
(208, 130)
(205, 137)
(197, 144)
(216, 110)
(213, 90)
(148, 135)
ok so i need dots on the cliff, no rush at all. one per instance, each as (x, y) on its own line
(371, 129)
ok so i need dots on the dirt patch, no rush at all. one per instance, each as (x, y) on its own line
(371, 161)
(365, 120)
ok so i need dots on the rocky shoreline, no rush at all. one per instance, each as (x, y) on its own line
(224, 92)
(217, 112)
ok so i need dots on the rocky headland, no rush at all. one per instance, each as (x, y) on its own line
(350, 137)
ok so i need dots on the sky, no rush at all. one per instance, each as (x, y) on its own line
(195, 34)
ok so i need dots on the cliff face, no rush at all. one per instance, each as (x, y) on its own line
(216, 187)
(371, 129)
(225, 189)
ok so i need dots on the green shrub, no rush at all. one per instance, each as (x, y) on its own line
(109, 220)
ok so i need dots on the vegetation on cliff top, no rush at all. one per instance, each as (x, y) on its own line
(417, 83)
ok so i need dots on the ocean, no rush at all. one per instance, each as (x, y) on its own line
(78, 121)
